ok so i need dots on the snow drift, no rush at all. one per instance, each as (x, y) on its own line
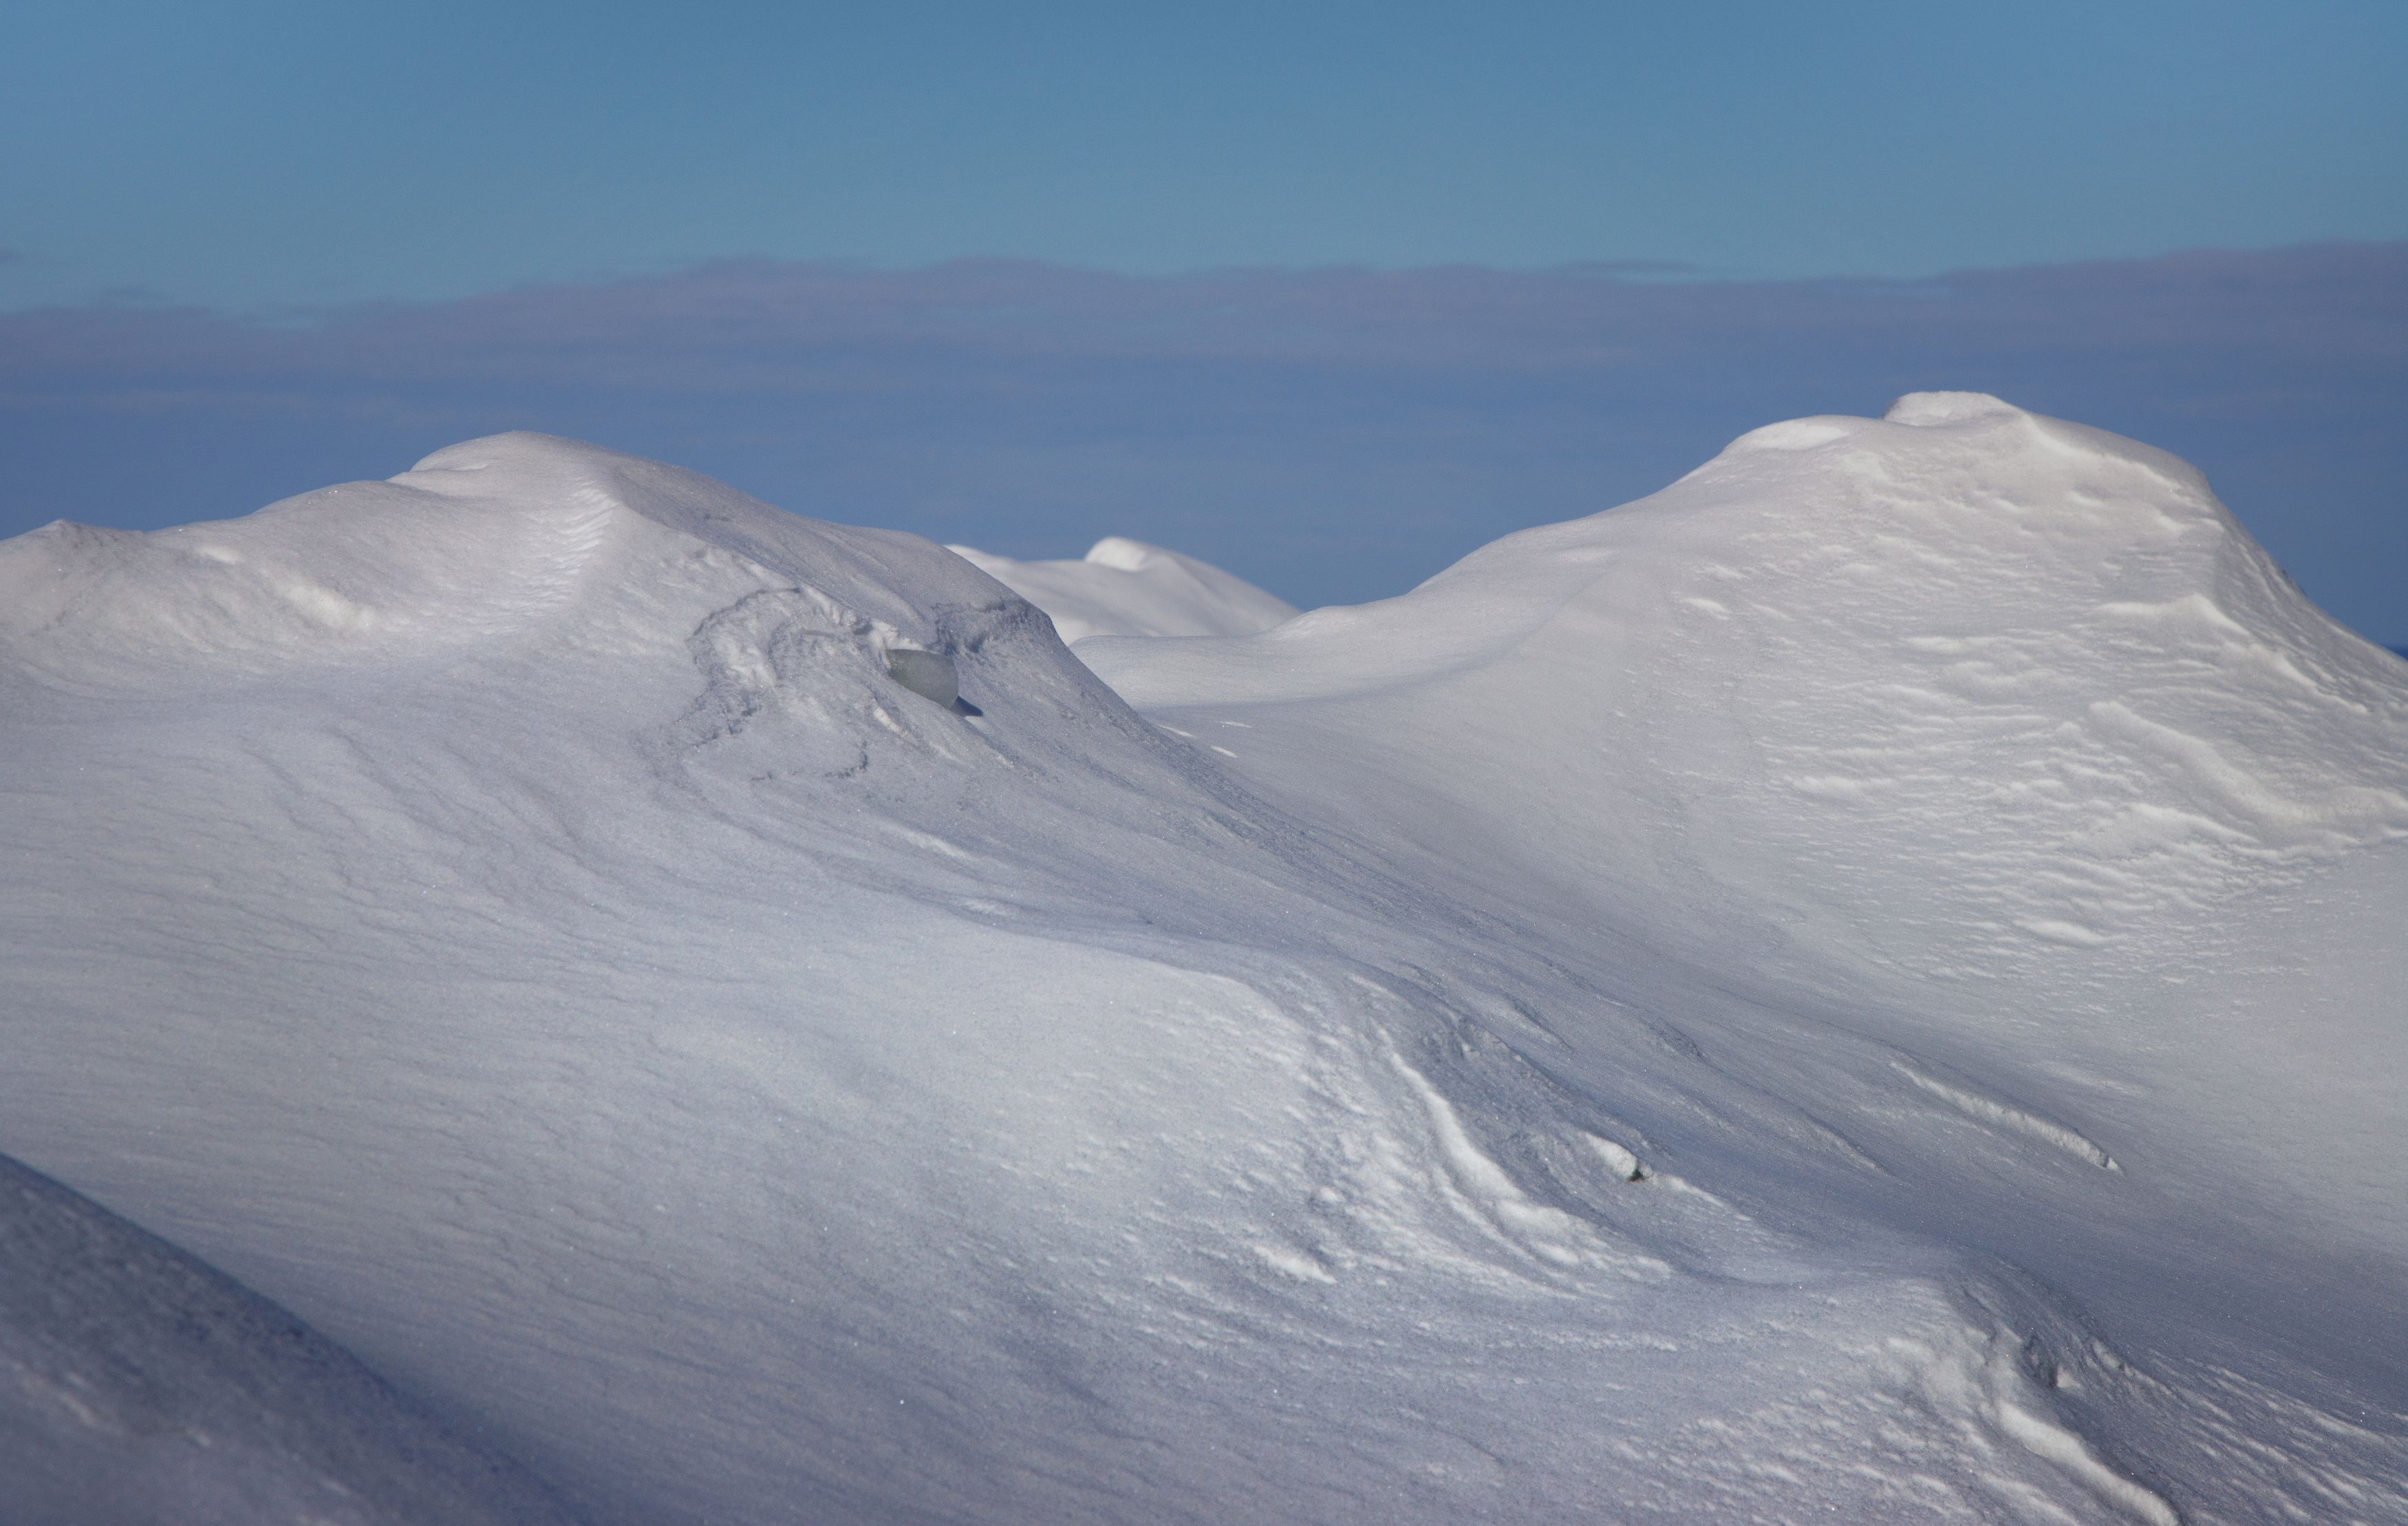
(1590, 1037)
(1125, 587)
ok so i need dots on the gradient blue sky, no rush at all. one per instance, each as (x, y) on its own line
(272, 153)
(1328, 292)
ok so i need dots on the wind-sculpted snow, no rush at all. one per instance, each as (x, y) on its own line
(138, 1386)
(1983, 736)
(1125, 587)
(520, 918)
(1964, 622)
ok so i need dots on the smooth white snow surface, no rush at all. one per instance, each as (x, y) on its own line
(1125, 587)
(1866, 985)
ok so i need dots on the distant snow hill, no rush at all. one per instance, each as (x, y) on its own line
(1863, 986)
(1128, 588)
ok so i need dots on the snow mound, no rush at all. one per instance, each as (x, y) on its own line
(1982, 738)
(2042, 655)
(1128, 588)
(138, 1384)
(518, 538)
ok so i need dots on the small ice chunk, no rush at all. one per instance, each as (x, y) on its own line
(928, 674)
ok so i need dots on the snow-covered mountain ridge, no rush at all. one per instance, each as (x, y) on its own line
(1592, 1036)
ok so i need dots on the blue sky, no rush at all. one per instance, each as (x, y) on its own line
(1330, 293)
(268, 154)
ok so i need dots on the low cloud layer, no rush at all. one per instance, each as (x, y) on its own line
(1335, 435)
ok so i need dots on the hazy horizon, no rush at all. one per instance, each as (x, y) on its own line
(1333, 435)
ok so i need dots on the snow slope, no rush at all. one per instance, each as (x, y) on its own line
(1983, 736)
(138, 1386)
(1997, 726)
(1125, 587)
(531, 919)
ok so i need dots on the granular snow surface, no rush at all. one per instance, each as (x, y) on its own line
(1865, 985)
(138, 1386)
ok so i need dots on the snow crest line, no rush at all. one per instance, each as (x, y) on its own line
(1990, 1110)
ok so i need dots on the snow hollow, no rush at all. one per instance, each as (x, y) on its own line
(1866, 985)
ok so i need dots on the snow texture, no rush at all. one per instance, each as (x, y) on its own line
(1865, 986)
(138, 1386)
(1126, 587)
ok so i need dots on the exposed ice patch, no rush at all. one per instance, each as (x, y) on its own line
(928, 674)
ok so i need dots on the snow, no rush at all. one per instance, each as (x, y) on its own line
(137, 1385)
(1126, 587)
(1862, 985)
(2040, 660)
